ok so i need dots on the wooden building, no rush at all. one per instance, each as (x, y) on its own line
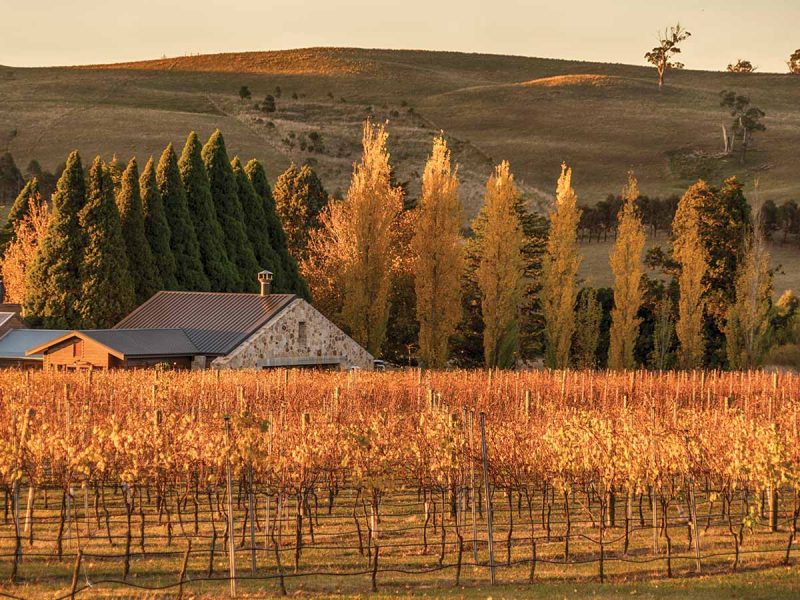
(15, 343)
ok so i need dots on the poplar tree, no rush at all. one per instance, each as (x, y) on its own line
(156, 228)
(293, 281)
(229, 211)
(107, 292)
(221, 272)
(749, 316)
(19, 210)
(183, 239)
(500, 272)
(54, 279)
(690, 253)
(142, 266)
(627, 266)
(352, 250)
(438, 251)
(559, 270)
(299, 200)
(256, 225)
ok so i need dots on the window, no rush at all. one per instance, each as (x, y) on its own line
(302, 336)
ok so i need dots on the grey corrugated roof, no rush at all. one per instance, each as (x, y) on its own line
(215, 322)
(14, 343)
(144, 342)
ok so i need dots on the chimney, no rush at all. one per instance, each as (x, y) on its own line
(265, 279)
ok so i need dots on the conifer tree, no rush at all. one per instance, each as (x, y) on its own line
(500, 272)
(663, 334)
(350, 255)
(19, 210)
(293, 280)
(183, 239)
(627, 266)
(221, 272)
(142, 266)
(689, 251)
(559, 270)
(749, 316)
(587, 329)
(156, 228)
(229, 211)
(107, 291)
(299, 200)
(54, 279)
(438, 257)
(256, 225)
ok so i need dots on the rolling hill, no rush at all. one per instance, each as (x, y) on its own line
(601, 118)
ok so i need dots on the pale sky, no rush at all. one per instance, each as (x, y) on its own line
(66, 32)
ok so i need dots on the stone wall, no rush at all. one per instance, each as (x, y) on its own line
(277, 343)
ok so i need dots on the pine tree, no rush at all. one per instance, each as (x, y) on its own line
(749, 316)
(221, 272)
(183, 239)
(559, 270)
(107, 291)
(54, 280)
(689, 251)
(350, 255)
(229, 211)
(438, 257)
(293, 280)
(19, 210)
(587, 329)
(627, 266)
(256, 225)
(299, 200)
(142, 266)
(156, 228)
(500, 272)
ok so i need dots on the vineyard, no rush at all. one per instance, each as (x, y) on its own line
(289, 480)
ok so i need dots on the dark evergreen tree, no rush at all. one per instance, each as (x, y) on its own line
(115, 170)
(18, 211)
(299, 199)
(229, 211)
(156, 228)
(221, 272)
(142, 266)
(256, 226)
(54, 279)
(183, 239)
(107, 291)
(11, 180)
(294, 281)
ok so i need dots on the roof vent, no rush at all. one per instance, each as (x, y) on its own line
(265, 279)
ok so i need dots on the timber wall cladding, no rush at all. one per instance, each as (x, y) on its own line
(78, 351)
(280, 338)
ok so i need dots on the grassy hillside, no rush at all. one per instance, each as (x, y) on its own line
(601, 118)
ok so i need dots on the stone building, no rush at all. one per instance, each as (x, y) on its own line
(217, 330)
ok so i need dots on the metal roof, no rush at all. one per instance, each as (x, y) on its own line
(14, 343)
(215, 322)
(5, 317)
(129, 343)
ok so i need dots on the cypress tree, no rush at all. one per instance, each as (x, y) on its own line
(229, 210)
(183, 239)
(18, 211)
(299, 200)
(256, 225)
(293, 280)
(54, 281)
(142, 266)
(219, 269)
(156, 228)
(107, 291)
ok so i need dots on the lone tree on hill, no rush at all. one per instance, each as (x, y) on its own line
(54, 283)
(244, 92)
(794, 62)
(269, 104)
(156, 227)
(741, 66)
(661, 56)
(746, 119)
